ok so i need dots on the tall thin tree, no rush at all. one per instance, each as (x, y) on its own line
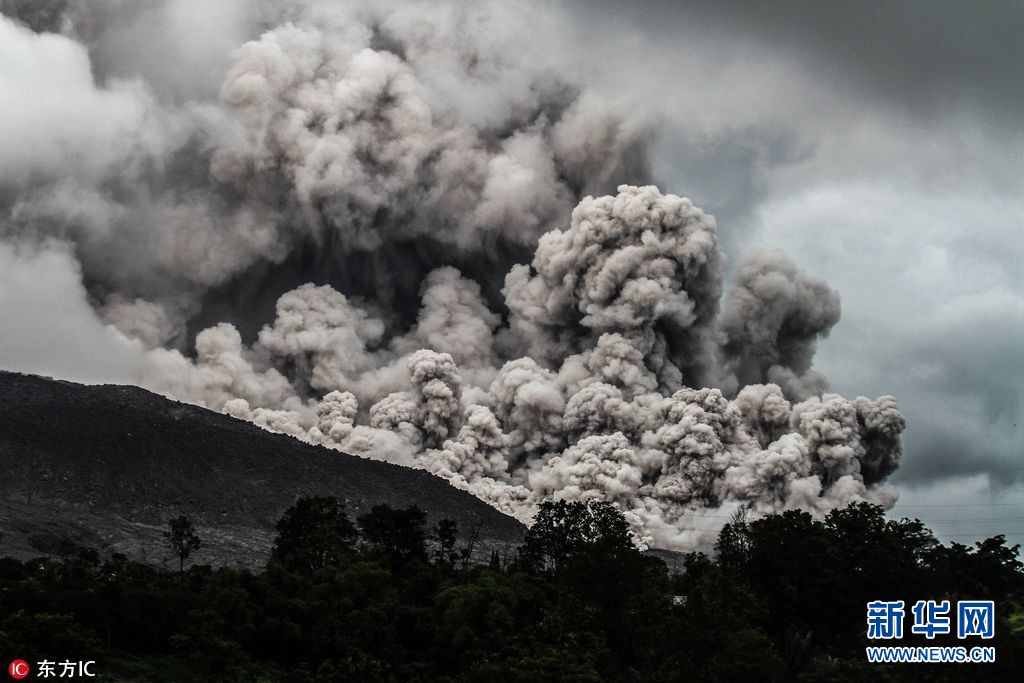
(182, 539)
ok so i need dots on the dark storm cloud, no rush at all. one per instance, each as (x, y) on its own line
(38, 15)
(922, 55)
(727, 173)
(951, 454)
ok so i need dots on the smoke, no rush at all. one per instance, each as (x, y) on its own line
(404, 232)
(772, 319)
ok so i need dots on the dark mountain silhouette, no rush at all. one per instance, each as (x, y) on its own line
(106, 466)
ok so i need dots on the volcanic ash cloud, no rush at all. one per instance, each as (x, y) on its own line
(617, 320)
(355, 224)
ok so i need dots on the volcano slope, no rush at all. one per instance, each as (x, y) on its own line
(107, 466)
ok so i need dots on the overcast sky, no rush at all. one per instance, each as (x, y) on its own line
(878, 144)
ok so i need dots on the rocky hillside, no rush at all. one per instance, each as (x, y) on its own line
(107, 466)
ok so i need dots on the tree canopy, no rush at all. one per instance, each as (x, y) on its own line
(182, 539)
(314, 533)
(782, 598)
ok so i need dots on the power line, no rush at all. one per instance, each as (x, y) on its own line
(963, 533)
(972, 521)
(978, 536)
(921, 519)
(957, 505)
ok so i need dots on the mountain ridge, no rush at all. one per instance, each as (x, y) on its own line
(107, 465)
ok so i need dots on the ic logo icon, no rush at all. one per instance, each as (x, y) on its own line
(18, 669)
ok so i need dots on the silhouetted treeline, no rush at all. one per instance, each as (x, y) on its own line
(385, 598)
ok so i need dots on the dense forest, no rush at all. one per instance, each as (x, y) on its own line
(384, 598)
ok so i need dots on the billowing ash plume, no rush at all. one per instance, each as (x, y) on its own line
(334, 241)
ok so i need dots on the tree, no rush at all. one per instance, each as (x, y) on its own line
(466, 554)
(313, 533)
(396, 534)
(563, 530)
(446, 533)
(182, 539)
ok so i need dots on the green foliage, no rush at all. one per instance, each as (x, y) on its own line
(446, 535)
(312, 534)
(783, 599)
(52, 635)
(397, 535)
(565, 530)
(181, 539)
